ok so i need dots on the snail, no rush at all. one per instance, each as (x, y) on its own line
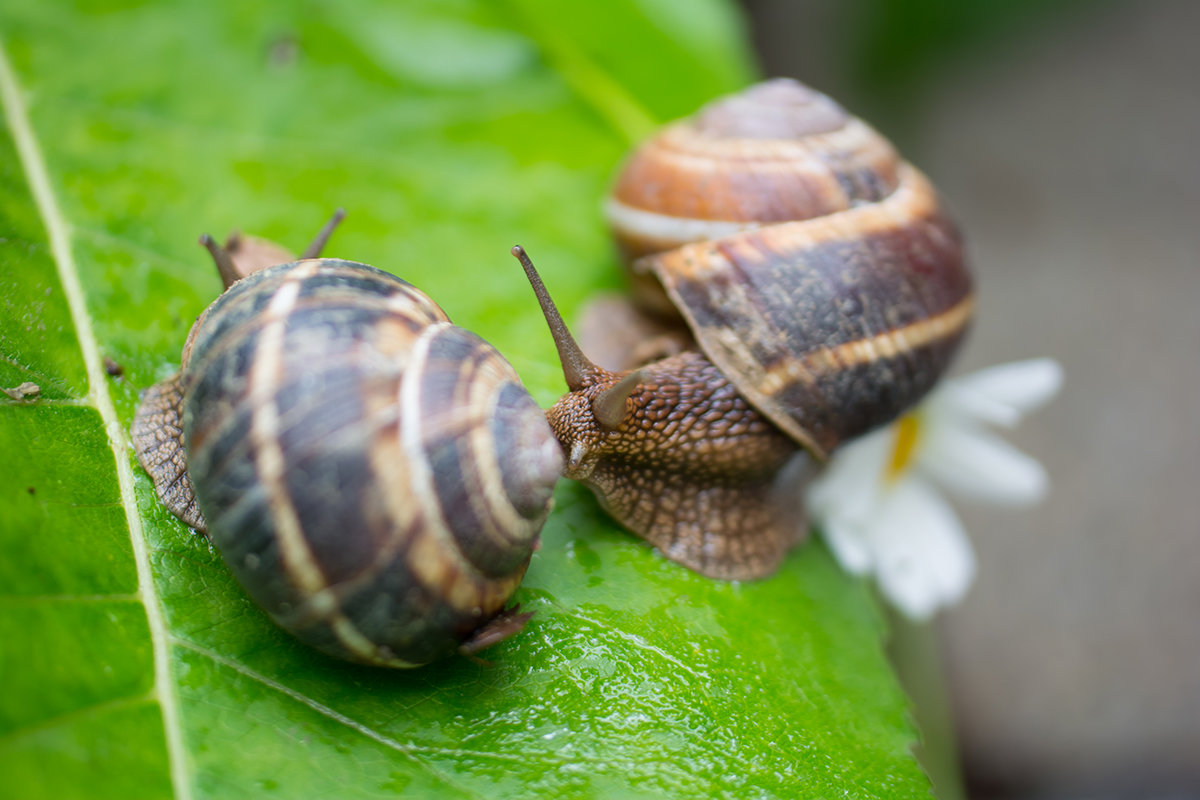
(824, 292)
(375, 477)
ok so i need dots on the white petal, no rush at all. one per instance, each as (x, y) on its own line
(977, 464)
(848, 544)
(923, 558)
(964, 404)
(849, 485)
(1022, 386)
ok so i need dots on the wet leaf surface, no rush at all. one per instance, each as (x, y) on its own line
(132, 664)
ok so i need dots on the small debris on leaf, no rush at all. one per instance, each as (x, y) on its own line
(26, 391)
(114, 369)
(284, 50)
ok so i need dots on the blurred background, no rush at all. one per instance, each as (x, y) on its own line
(1064, 135)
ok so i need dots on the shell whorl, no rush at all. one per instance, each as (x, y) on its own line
(778, 151)
(813, 266)
(348, 447)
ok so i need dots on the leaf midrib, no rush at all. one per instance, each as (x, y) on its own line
(57, 231)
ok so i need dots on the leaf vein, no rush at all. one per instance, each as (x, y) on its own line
(641, 644)
(58, 233)
(409, 751)
(48, 599)
(12, 362)
(66, 718)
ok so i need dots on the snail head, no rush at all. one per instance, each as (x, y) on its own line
(600, 405)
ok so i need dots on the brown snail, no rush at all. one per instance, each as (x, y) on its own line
(375, 477)
(824, 292)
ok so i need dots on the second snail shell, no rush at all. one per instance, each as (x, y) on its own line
(811, 263)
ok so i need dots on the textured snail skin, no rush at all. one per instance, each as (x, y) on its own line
(824, 287)
(374, 476)
(692, 464)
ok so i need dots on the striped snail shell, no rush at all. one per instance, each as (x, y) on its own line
(374, 476)
(823, 289)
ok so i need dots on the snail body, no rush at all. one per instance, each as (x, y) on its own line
(824, 290)
(374, 476)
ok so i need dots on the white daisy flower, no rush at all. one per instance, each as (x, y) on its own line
(877, 502)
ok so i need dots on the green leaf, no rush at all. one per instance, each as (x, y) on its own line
(132, 664)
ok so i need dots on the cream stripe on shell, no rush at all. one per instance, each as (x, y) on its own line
(434, 556)
(914, 198)
(297, 557)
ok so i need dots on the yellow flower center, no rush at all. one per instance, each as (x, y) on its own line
(908, 433)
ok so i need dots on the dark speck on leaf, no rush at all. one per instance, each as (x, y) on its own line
(114, 369)
(283, 50)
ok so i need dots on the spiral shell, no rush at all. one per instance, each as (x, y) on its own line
(374, 476)
(813, 266)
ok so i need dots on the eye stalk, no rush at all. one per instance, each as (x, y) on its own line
(608, 407)
(241, 255)
(578, 369)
